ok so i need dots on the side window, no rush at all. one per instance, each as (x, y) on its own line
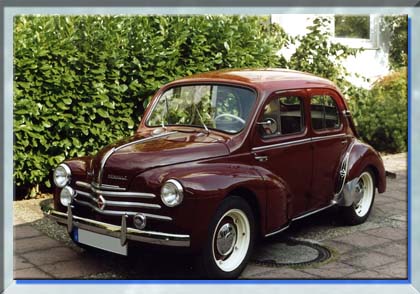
(282, 115)
(324, 113)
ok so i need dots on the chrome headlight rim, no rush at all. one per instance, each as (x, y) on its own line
(62, 184)
(67, 199)
(179, 197)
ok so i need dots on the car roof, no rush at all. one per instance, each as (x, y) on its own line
(263, 78)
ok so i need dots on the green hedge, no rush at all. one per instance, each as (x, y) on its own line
(83, 81)
(381, 113)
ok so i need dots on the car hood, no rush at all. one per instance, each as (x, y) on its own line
(119, 163)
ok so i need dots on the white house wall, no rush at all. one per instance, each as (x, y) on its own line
(372, 63)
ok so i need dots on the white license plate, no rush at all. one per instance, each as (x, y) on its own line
(99, 241)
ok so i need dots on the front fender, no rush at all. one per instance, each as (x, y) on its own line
(205, 186)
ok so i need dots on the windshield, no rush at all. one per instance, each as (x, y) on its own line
(220, 107)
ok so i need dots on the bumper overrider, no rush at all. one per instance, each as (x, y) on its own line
(122, 232)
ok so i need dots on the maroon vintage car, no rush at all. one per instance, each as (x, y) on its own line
(218, 160)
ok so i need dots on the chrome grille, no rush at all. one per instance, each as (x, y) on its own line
(90, 194)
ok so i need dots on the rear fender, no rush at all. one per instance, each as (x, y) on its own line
(359, 157)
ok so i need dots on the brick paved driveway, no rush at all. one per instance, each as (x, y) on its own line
(376, 249)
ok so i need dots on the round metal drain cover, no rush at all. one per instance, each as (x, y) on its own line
(290, 252)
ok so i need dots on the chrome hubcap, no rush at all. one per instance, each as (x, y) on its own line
(226, 239)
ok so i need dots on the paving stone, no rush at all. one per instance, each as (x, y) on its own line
(360, 239)
(35, 243)
(401, 205)
(388, 233)
(340, 247)
(253, 271)
(394, 249)
(367, 275)
(332, 270)
(25, 231)
(20, 263)
(368, 260)
(74, 269)
(285, 274)
(397, 270)
(30, 274)
(51, 255)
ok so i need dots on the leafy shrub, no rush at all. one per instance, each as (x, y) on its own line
(81, 82)
(381, 113)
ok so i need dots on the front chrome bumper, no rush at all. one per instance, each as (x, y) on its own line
(122, 232)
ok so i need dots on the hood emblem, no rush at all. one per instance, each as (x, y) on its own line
(101, 202)
(116, 177)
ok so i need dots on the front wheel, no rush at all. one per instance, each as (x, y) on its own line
(359, 211)
(230, 240)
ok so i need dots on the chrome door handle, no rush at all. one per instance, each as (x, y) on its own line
(344, 141)
(261, 158)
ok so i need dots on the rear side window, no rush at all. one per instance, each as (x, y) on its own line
(282, 116)
(324, 113)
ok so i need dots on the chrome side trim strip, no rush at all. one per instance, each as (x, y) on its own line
(323, 138)
(284, 144)
(120, 213)
(112, 150)
(278, 231)
(313, 212)
(300, 217)
(298, 142)
(151, 237)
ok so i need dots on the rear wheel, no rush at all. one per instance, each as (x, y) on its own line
(359, 211)
(230, 240)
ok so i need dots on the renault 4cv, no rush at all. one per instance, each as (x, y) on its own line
(219, 160)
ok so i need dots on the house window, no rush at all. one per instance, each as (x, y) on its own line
(352, 26)
(356, 31)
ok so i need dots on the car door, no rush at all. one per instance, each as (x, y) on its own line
(329, 142)
(282, 145)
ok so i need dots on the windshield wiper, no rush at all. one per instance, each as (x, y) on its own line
(202, 122)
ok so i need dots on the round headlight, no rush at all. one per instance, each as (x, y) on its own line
(66, 196)
(62, 175)
(172, 193)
